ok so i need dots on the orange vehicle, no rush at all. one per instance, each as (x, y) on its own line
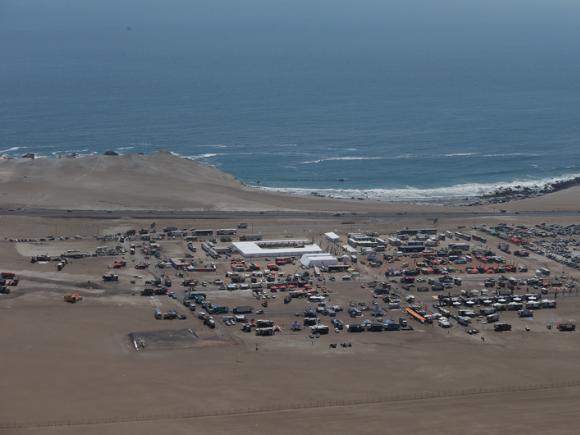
(418, 317)
(73, 298)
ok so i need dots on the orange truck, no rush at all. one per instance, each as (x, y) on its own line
(414, 314)
(73, 298)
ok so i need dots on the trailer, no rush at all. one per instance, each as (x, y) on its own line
(202, 233)
(242, 309)
(462, 236)
(415, 315)
(264, 323)
(459, 246)
(479, 238)
(217, 309)
(226, 232)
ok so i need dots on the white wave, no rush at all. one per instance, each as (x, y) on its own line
(142, 144)
(203, 145)
(461, 154)
(84, 151)
(125, 148)
(36, 147)
(406, 156)
(410, 193)
(333, 159)
(511, 155)
(9, 150)
(202, 156)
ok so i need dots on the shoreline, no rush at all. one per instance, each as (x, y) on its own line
(487, 193)
(501, 193)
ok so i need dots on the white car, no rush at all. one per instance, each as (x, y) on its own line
(316, 298)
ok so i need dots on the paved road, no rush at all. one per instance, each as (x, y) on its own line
(211, 214)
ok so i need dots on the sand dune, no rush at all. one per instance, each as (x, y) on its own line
(155, 181)
(111, 182)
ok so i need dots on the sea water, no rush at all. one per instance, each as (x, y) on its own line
(396, 99)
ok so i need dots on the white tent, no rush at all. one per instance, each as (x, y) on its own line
(333, 237)
(318, 260)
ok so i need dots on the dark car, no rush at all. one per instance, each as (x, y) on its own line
(338, 324)
(356, 328)
(170, 315)
(500, 327)
(566, 327)
(378, 313)
(310, 313)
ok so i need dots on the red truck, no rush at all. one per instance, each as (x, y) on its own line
(118, 264)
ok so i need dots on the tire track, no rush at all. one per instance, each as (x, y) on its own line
(474, 392)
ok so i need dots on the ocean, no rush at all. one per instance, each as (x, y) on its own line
(411, 99)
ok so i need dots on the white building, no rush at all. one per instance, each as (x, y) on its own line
(318, 260)
(276, 248)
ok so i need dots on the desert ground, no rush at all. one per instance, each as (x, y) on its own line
(73, 368)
